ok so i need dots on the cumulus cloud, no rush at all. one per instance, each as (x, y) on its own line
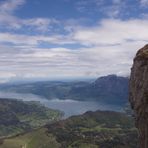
(105, 48)
(7, 9)
(113, 31)
(9, 20)
(109, 48)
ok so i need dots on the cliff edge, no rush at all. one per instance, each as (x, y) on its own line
(139, 94)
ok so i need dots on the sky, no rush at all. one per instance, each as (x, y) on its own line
(56, 39)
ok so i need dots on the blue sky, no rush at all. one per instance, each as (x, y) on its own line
(52, 39)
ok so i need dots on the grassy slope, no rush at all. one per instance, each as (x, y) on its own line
(35, 139)
(91, 130)
(105, 129)
(18, 116)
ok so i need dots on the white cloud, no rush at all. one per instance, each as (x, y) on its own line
(9, 6)
(9, 20)
(7, 9)
(31, 40)
(110, 47)
(64, 62)
(144, 2)
(113, 31)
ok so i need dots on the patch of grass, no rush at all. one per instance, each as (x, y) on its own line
(79, 144)
(35, 139)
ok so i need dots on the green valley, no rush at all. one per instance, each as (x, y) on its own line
(18, 116)
(100, 129)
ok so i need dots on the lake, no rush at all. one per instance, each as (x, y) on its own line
(69, 107)
(72, 107)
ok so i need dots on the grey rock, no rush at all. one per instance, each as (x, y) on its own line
(138, 94)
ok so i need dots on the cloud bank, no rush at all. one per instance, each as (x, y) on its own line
(104, 48)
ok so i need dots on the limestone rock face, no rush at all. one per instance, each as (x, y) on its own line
(139, 94)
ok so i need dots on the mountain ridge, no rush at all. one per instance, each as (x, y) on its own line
(112, 89)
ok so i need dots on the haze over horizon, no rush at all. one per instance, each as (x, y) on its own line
(70, 38)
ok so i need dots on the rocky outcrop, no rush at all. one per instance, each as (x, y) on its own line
(139, 94)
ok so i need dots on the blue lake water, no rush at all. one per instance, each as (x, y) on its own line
(69, 107)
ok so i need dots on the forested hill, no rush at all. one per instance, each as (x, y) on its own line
(103, 129)
(18, 116)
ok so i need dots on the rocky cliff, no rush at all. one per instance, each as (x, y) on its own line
(139, 93)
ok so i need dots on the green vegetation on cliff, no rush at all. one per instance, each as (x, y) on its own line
(104, 129)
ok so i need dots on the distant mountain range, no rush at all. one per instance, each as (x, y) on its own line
(108, 89)
(111, 89)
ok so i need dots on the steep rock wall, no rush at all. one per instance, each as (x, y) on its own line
(139, 94)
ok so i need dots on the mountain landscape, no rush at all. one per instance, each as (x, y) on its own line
(29, 124)
(109, 89)
(67, 74)
(103, 129)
